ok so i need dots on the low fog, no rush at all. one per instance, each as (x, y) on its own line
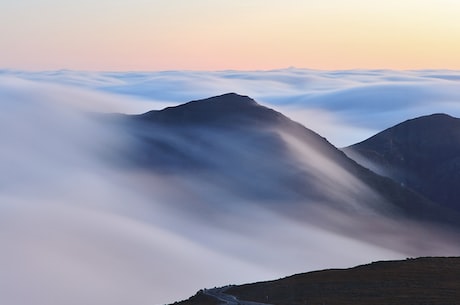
(80, 226)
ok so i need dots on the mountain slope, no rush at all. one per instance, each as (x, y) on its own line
(433, 280)
(422, 153)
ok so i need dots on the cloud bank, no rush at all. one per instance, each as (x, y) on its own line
(344, 106)
(76, 228)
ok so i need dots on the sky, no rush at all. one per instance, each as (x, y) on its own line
(228, 34)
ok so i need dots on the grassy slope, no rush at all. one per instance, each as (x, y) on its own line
(427, 281)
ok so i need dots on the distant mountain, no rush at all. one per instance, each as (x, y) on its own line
(422, 154)
(429, 280)
(256, 153)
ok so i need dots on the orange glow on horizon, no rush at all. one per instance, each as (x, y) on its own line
(260, 35)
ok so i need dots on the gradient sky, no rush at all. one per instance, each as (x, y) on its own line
(229, 34)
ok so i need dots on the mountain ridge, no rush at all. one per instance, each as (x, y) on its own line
(421, 153)
(246, 134)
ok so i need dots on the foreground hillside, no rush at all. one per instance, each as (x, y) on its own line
(415, 281)
(430, 280)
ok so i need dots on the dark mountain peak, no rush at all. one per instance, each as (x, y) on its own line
(421, 153)
(232, 98)
(228, 102)
(436, 116)
(436, 121)
(437, 131)
(223, 109)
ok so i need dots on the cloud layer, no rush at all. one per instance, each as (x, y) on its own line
(77, 229)
(344, 106)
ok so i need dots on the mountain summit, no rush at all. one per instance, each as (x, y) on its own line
(230, 108)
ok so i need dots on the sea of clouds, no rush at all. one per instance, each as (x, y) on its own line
(343, 106)
(75, 229)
